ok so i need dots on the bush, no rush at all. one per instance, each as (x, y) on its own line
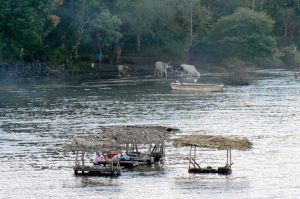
(59, 55)
(289, 55)
(237, 74)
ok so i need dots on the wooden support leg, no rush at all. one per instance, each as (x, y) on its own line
(227, 158)
(230, 157)
(76, 158)
(82, 157)
(190, 157)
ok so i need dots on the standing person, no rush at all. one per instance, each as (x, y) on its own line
(98, 57)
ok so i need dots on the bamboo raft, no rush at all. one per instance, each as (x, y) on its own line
(97, 170)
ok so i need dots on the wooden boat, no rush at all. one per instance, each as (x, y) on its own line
(197, 87)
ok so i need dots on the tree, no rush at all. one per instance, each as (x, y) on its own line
(286, 14)
(23, 27)
(84, 23)
(188, 20)
(220, 8)
(245, 34)
(138, 17)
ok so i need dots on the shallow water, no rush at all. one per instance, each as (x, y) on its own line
(36, 119)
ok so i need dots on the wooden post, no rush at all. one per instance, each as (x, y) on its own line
(230, 156)
(227, 158)
(195, 148)
(76, 158)
(127, 148)
(162, 149)
(82, 157)
(150, 148)
(154, 148)
(112, 164)
(190, 157)
(131, 148)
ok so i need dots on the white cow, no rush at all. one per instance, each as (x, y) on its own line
(190, 70)
(122, 69)
(161, 69)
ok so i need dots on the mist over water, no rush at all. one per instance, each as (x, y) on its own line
(37, 119)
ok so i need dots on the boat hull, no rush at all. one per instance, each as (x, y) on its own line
(197, 87)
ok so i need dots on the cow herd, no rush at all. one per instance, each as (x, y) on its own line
(161, 70)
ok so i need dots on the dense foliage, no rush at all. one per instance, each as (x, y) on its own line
(68, 31)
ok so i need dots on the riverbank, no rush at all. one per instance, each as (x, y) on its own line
(138, 66)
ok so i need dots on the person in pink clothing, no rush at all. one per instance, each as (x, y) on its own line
(101, 159)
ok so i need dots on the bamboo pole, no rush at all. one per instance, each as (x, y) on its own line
(190, 157)
(127, 148)
(227, 158)
(196, 163)
(195, 148)
(230, 157)
(76, 158)
(136, 148)
(82, 157)
(150, 148)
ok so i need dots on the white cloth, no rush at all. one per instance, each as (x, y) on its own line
(95, 158)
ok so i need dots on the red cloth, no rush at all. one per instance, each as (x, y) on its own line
(111, 154)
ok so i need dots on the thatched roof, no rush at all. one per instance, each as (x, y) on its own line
(138, 134)
(213, 142)
(114, 138)
(92, 143)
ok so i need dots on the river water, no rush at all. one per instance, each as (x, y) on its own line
(37, 118)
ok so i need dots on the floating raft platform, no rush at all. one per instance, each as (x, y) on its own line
(219, 170)
(129, 164)
(96, 170)
(211, 142)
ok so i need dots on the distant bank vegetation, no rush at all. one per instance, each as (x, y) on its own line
(69, 32)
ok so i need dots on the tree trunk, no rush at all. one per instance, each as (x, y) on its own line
(138, 42)
(253, 5)
(191, 26)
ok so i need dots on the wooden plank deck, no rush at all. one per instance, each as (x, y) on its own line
(97, 170)
(129, 164)
(126, 164)
(219, 170)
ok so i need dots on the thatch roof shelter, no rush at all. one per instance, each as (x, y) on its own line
(213, 142)
(120, 138)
